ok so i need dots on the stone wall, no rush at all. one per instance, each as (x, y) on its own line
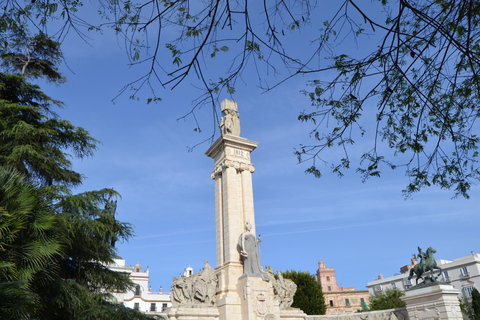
(391, 314)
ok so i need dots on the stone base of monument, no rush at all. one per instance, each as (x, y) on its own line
(292, 314)
(433, 302)
(258, 301)
(189, 313)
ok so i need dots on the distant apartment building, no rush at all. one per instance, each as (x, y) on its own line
(142, 298)
(339, 300)
(462, 273)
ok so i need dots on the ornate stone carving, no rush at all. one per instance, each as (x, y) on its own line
(239, 166)
(247, 167)
(195, 291)
(248, 245)
(261, 306)
(284, 289)
(230, 123)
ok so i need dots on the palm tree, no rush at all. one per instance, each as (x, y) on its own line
(29, 241)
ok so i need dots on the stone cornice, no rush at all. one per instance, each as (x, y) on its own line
(227, 140)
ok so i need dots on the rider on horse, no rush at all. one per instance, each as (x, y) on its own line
(427, 263)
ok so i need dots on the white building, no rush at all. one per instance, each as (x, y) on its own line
(142, 298)
(462, 273)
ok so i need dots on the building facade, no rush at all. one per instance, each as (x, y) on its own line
(142, 298)
(339, 300)
(462, 273)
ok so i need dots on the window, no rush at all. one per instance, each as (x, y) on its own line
(329, 288)
(377, 289)
(464, 272)
(407, 283)
(331, 303)
(137, 290)
(347, 302)
(328, 278)
(467, 292)
(164, 307)
(394, 285)
(152, 307)
(136, 306)
(446, 277)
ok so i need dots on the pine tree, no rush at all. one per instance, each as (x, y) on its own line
(33, 140)
(54, 245)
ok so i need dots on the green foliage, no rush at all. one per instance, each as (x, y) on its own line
(33, 57)
(81, 278)
(309, 296)
(53, 247)
(53, 244)
(92, 233)
(390, 299)
(414, 92)
(29, 241)
(466, 308)
(476, 303)
(423, 78)
(33, 140)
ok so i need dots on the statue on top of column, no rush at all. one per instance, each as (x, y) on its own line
(230, 123)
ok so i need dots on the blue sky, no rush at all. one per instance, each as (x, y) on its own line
(360, 229)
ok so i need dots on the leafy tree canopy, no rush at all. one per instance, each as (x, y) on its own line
(309, 296)
(413, 92)
(54, 244)
(33, 140)
(389, 299)
(29, 242)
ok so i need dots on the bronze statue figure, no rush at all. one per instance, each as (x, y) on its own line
(427, 263)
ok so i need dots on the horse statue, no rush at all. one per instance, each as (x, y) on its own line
(426, 264)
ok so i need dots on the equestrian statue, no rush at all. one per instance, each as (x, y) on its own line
(427, 263)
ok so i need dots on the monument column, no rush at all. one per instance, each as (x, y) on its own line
(233, 206)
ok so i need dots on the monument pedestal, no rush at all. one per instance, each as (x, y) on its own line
(259, 302)
(257, 299)
(191, 313)
(240, 287)
(292, 314)
(434, 302)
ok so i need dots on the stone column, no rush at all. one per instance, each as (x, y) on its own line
(233, 208)
(434, 302)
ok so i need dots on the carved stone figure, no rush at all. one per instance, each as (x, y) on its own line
(427, 263)
(288, 289)
(211, 283)
(197, 290)
(230, 123)
(284, 289)
(249, 251)
(177, 294)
